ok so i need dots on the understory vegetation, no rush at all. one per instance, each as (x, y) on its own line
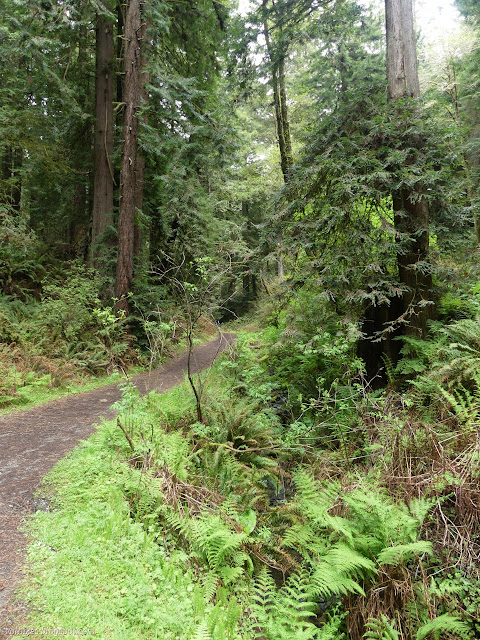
(292, 510)
(171, 168)
(62, 337)
(67, 335)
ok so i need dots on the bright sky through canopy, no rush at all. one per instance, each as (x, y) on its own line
(434, 17)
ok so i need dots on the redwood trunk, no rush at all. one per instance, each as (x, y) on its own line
(402, 69)
(410, 206)
(78, 236)
(131, 98)
(287, 158)
(140, 166)
(103, 181)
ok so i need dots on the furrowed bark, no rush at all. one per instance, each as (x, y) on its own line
(131, 99)
(102, 215)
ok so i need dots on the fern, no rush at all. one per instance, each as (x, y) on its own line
(344, 553)
(380, 630)
(230, 506)
(210, 585)
(465, 404)
(327, 580)
(444, 624)
(229, 575)
(381, 521)
(215, 539)
(300, 537)
(177, 521)
(419, 508)
(202, 632)
(400, 553)
(232, 614)
(306, 486)
(416, 355)
(199, 601)
(283, 614)
(349, 561)
(297, 596)
(316, 500)
(174, 451)
(264, 588)
(463, 351)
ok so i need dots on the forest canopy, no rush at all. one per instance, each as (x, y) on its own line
(308, 168)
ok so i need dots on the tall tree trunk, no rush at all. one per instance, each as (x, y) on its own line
(120, 50)
(140, 166)
(80, 209)
(131, 99)
(11, 173)
(402, 68)
(277, 60)
(119, 79)
(287, 159)
(103, 181)
(139, 182)
(410, 207)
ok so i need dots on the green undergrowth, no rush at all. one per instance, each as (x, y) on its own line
(69, 334)
(24, 389)
(95, 566)
(36, 390)
(255, 523)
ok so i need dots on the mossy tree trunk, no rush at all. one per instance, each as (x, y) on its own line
(140, 161)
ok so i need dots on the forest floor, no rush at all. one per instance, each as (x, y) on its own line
(32, 441)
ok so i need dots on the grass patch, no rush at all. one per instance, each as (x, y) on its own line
(40, 392)
(92, 565)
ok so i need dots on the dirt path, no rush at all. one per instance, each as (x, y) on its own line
(33, 440)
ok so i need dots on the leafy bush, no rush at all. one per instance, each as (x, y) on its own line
(309, 349)
(65, 333)
(451, 355)
(20, 256)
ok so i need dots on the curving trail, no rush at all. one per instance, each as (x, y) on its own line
(32, 441)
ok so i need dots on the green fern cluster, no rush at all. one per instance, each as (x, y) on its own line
(464, 402)
(211, 540)
(219, 622)
(440, 626)
(460, 358)
(373, 531)
(333, 546)
(451, 357)
(338, 555)
(289, 612)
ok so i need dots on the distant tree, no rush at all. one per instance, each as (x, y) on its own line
(277, 49)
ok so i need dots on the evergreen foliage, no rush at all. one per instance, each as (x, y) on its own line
(323, 481)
